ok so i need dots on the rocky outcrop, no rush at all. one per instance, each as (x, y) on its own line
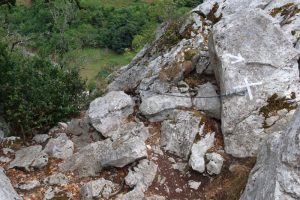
(142, 175)
(210, 105)
(271, 60)
(117, 153)
(61, 147)
(276, 173)
(108, 112)
(215, 163)
(197, 161)
(26, 156)
(178, 133)
(7, 191)
(100, 188)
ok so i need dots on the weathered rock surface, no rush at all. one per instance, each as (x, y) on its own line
(137, 193)
(157, 104)
(25, 157)
(194, 185)
(117, 153)
(61, 147)
(178, 133)
(142, 175)
(4, 129)
(276, 173)
(198, 151)
(271, 59)
(41, 161)
(4, 159)
(29, 185)
(7, 191)
(56, 179)
(215, 163)
(108, 112)
(100, 188)
(131, 128)
(40, 138)
(211, 106)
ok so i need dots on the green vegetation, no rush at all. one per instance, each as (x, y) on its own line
(36, 94)
(46, 46)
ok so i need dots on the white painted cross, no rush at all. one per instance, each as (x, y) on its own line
(234, 59)
(247, 86)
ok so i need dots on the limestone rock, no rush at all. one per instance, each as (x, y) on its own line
(211, 106)
(41, 161)
(194, 185)
(4, 159)
(131, 128)
(25, 157)
(157, 104)
(155, 197)
(117, 153)
(78, 127)
(178, 134)
(60, 147)
(108, 112)
(198, 151)
(215, 163)
(56, 179)
(271, 59)
(100, 188)
(142, 175)
(7, 191)
(276, 173)
(40, 138)
(137, 194)
(29, 185)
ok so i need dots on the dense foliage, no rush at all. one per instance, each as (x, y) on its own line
(36, 94)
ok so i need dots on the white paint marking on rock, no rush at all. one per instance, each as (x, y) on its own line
(248, 87)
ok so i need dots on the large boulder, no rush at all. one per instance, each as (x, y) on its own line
(108, 112)
(25, 157)
(276, 173)
(271, 59)
(7, 191)
(178, 133)
(160, 104)
(116, 153)
(60, 147)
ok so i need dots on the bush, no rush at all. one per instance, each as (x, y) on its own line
(35, 94)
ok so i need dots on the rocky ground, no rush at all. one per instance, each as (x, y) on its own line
(179, 122)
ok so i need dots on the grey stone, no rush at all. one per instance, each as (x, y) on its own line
(56, 179)
(118, 153)
(25, 157)
(7, 151)
(198, 151)
(60, 147)
(108, 112)
(63, 125)
(100, 188)
(50, 193)
(155, 197)
(276, 173)
(178, 134)
(4, 159)
(142, 175)
(215, 163)
(194, 185)
(41, 161)
(178, 190)
(271, 59)
(156, 104)
(29, 185)
(131, 128)
(271, 120)
(78, 127)
(211, 106)
(40, 138)
(7, 191)
(136, 194)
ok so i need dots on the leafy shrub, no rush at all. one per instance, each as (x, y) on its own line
(35, 94)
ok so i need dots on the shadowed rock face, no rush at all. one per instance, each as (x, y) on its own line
(276, 173)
